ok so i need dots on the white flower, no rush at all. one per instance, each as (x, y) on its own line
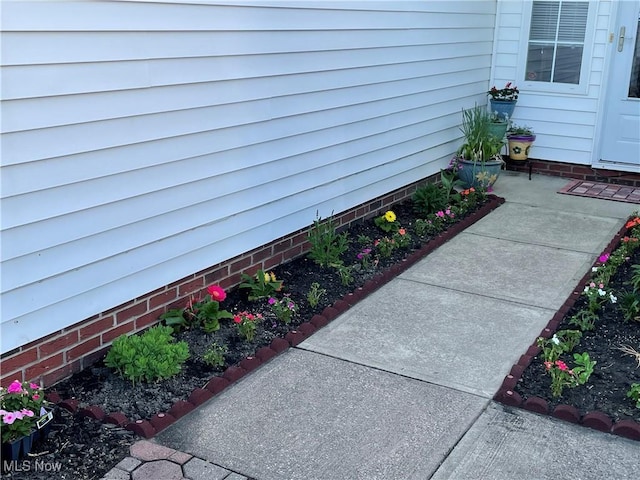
(586, 289)
(594, 269)
(601, 292)
(613, 298)
(555, 339)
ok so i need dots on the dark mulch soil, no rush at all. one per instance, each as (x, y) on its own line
(614, 372)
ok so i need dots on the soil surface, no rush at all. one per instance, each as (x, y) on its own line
(615, 371)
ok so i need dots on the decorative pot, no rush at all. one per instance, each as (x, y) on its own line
(27, 443)
(504, 108)
(498, 129)
(478, 174)
(519, 146)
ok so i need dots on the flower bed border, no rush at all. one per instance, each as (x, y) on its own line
(150, 427)
(595, 419)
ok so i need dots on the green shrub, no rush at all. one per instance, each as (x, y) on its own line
(429, 199)
(214, 356)
(148, 357)
(327, 245)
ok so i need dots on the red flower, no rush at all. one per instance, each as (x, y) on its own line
(237, 318)
(561, 365)
(217, 293)
(402, 231)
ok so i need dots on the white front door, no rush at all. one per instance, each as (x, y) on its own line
(620, 147)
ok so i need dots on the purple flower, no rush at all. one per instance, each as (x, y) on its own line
(603, 258)
(272, 300)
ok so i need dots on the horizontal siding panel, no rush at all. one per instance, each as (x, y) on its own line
(25, 48)
(30, 114)
(129, 16)
(70, 79)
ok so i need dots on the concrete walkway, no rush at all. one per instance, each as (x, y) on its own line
(400, 385)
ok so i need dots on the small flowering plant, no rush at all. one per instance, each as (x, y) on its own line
(261, 285)
(506, 93)
(563, 376)
(21, 404)
(284, 308)
(387, 222)
(247, 324)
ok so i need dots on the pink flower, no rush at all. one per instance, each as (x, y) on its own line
(592, 285)
(237, 319)
(15, 387)
(217, 293)
(26, 413)
(9, 418)
(272, 300)
(36, 397)
(603, 258)
(440, 214)
(561, 365)
(548, 365)
(33, 386)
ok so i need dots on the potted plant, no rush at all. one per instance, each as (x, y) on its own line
(520, 139)
(498, 125)
(23, 417)
(478, 161)
(503, 100)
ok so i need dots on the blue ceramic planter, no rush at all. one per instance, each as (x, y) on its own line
(478, 174)
(504, 108)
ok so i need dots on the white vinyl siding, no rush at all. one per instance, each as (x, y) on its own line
(145, 141)
(563, 118)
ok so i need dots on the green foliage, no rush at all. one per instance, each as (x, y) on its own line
(583, 367)
(364, 239)
(261, 285)
(562, 341)
(635, 277)
(630, 305)
(175, 319)
(209, 315)
(214, 356)
(584, 319)
(634, 393)
(387, 222)
(315, 294)
(346, 276)
(327, 246)
(284, 309)
(480, 145)
(148, 357)
(429, 199)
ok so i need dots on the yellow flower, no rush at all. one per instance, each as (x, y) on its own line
(390, 216)
(273, 277)
(267, 278)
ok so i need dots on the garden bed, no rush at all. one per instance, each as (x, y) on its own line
(99, 413)
(602, 402)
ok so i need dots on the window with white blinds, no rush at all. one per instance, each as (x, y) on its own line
(556, 41)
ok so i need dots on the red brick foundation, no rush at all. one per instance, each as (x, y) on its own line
(577, 171)
(78, 346)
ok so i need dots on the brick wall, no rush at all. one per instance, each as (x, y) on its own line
(78, 346)
(579, 172)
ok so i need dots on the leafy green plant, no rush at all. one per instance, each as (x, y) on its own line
(562, 341)
(635, 277)
(261, 285)
(149, 357)
(387, 222)
(247, 324)
(284, 308)
(562, 376)
(364, 239)
(214, 356)
(584, 319)
(205, 313)
(634, 393)
(315, 294)
(429, 199)
(327, 245)
(630, 306)
(346, 276)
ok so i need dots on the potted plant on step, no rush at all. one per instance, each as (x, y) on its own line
(520, 139)
(498, 125)
(503, 100)
(478, 161)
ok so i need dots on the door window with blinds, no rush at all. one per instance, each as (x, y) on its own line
(559, 43)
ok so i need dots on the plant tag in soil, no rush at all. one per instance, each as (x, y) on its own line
(45, 417)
